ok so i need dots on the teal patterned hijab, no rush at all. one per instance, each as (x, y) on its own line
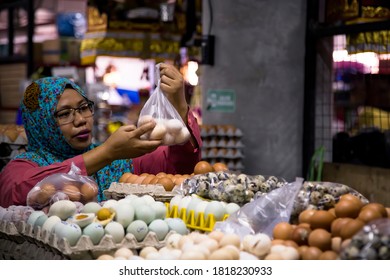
(46, 143)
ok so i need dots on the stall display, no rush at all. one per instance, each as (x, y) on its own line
(223, 143)
(13, 141)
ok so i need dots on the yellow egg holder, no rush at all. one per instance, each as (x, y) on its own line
(192, 221)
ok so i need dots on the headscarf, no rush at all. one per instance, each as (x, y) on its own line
(46, 143)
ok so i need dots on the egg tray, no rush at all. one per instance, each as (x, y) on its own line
(120, 190)
(84, 248)
(194, 222)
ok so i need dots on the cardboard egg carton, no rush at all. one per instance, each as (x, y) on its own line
(50, 243)
(120, 190)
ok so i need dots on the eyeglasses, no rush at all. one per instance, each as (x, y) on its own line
(66, 116)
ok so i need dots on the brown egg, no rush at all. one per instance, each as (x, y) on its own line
(132, 178)
(338, 224)
(321, 239)
(282, 230)
(300, 235)
(328, 255)
(161, 174)
(304, 216)
(203, 167)
(46, 192)
(336, 244)
(321, 219)
(388, 211)
(166, 182)
(277, 241)
(311, 253)
(290, 243)
(378, 207)
(124, 177)
(351, 228)
(154, 180)
(220, 166)
(148, 179)
(88, 192)
(369, 214)
(332, 211)
(140, 179)
(348, 208)
(178, 180)
(302, 249)
(72, 191)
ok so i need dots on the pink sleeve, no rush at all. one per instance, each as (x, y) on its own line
(178, 159)
(19, 176)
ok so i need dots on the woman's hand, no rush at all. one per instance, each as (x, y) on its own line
(172, 85)
(125, 142)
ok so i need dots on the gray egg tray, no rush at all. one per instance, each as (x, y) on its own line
(22, 241)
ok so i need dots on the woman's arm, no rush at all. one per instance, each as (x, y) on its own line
(19, 176)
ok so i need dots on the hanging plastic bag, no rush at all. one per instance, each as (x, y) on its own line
(262, 214)
(63, 186)
(169, 124)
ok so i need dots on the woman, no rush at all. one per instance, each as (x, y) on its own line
(58, 120)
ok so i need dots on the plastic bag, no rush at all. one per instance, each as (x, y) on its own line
(229, 186)
(262, 214)
(63, 186)
(169, 124)
(370, 243)
(320, 196)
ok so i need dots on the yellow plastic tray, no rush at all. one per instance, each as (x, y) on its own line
(200, 222)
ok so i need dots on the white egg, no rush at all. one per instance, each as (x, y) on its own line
(95, 231)
(34, 216)
(131, 196)
(158, 132)
(160, 227)
(49, 224)
(174, 125)
(184, 203)
(173, 241)
(175, 201)
(232, 207)
(177, 225)
(116, 230)
(91, 207)
(160, 210)
(82, 219)
(145, 213)
(192, 205)
(139, 229)
(110, 204)
(169, 139)
(148, 199)
(123, 252)
(124, 214)
(201, 207)
(62, 209)
(40, 221)
(216, 208)
(144, 119)
(183, 136)
(71, 232)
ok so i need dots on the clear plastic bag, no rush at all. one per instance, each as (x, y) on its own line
(370, 243)
(229, 186)
(63, 186)
(320, 196)
(169, 124)
(262, 214)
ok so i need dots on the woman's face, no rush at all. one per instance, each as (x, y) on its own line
(77, 133)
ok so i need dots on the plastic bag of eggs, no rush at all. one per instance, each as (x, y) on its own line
(170, 131)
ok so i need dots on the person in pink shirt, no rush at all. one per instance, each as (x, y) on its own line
(58, 119)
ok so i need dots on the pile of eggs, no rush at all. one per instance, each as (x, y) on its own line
(215, 245)
(131, 215)
(170, 131)
(168, 181)
(47, 193)
(324, 234)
